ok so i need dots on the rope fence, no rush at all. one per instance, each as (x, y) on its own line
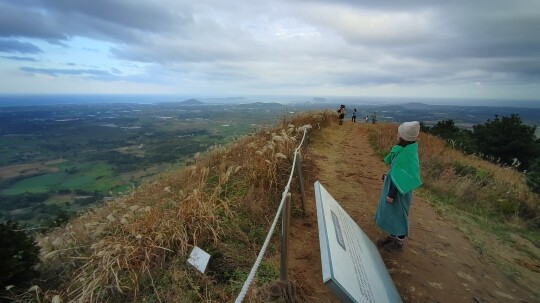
(253, 271)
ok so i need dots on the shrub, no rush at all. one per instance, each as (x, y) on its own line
(469, 183)
(464, 170)
(458, 138)
(506, 207)
(444, 129)
(18, 255)
(533, 176)
(507, 139)
(481, 176)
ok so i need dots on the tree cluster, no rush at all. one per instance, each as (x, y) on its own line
(19, 255)
(504, 140)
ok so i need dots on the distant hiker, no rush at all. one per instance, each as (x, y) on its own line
(373, 118)
(353, 119)
(341, 113)
(367, 118)
(403, 177)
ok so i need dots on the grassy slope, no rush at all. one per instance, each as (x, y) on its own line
(90, 177)
(135, 248)
(489, 203)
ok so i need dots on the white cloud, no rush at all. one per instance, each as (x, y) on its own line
(372, 28)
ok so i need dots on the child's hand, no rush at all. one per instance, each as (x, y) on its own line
(389, 199)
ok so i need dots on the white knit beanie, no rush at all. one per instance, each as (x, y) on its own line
(409, 131)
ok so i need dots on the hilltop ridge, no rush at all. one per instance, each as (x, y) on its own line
(135, 248)
(439, 263)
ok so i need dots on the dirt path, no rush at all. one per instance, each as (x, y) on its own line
(438, 263)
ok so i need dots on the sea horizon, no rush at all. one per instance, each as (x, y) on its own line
(16, 100)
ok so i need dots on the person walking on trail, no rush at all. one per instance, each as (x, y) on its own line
(367, 118)
(374, 118)
(403, 177)
(341, 112)
(353, 119)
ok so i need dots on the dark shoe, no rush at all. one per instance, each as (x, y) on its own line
(394, 245)
(383, 242)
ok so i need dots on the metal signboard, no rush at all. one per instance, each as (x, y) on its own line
(199, 259)
(351, 265)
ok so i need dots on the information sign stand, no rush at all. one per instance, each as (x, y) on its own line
(351, 265)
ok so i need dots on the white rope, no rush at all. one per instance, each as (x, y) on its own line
(253, 271)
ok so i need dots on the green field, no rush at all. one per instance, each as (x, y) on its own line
(88, 177)
(107, 149)
(111, 148)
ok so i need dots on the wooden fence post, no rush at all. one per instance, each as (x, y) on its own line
(301, 181)
(285, 222)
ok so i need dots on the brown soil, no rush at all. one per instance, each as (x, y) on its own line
(438, 263)
(29, 169)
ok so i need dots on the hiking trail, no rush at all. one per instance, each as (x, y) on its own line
(438, 263)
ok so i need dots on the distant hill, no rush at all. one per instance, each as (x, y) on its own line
(227, 100)
(415, 105)
(261, 105)
(391, 108)
(191, 102)
(405, 106)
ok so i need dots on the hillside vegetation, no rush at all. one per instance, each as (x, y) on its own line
(135, 248)
(56, 160)
(468, 182)
(491, 204)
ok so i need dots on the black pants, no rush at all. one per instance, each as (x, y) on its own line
(353, 119)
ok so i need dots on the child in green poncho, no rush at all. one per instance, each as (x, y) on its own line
(403, 177)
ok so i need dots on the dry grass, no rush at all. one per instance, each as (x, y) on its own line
(491, 204)
(468, 182)
(135, 247)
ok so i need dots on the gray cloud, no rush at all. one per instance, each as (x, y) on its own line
(17, 58)
(218, 48)
(15, 46)
(491, 36)
(135, 15)
(287, 43)
(29, 22)
(89, 73)
(121, 21)
(63, 71)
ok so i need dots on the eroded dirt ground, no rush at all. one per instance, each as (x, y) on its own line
(437, 264)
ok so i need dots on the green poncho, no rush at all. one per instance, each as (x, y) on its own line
(405, 170)
(404, 173)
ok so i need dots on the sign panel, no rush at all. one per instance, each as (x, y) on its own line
(351, 265)
(199, 259)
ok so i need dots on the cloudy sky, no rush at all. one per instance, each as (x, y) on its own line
(461, 48)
